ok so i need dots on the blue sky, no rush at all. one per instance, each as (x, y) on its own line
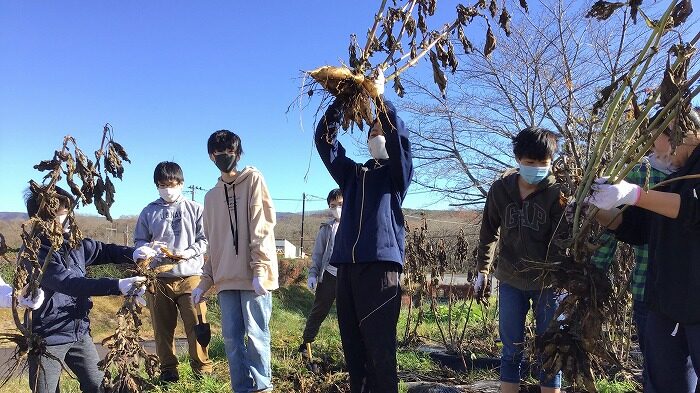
(166, 74)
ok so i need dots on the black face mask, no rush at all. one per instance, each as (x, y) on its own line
(225, 163)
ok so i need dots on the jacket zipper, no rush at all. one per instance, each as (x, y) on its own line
(362, 209)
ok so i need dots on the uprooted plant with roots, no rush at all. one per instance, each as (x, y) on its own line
(399, 37)
(575, 342)
(89, 181)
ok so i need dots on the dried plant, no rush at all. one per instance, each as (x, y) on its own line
(42, 228)
(397, 40)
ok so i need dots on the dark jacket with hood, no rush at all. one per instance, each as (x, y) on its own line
(673, 275)
(523, 229)
(372, 228)
(64, 316)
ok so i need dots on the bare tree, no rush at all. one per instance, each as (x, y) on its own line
(546, 73)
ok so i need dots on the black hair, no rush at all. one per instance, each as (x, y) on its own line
(223, 140)
(32, 201)
(535, 143)
(334, 195)
(166, 172)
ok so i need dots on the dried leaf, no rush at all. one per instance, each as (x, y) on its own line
(398, 87)
(466, 14)
(605, 94)
(466, 44)
(109, 192)
(438, 75)
(634, 9)
(681, 12)
(602, 10)
(493, 8)
(523, 4)
(504, 21)
(490, 44)
(120, 151)
(481, 4)
(48, 165)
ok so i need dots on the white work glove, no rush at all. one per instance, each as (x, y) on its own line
(5, 296)
(33, 303)
(607, 196)
(144, 252)
(376, 84)
(197, 295)
(126, 286)
(311, 283)
(258, 287)
(187, 253)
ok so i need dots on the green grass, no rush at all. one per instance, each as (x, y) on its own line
(290, 374)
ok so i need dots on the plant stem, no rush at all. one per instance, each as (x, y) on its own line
(370, 36)
(427, 49)
(410, 5)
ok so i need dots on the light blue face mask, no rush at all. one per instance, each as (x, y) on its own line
(534, 174)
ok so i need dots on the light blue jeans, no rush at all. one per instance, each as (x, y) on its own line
(246, 313)
(515, 304)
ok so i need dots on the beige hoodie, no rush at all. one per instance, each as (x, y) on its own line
(255, 222)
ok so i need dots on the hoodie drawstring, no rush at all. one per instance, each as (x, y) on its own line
(235, 213)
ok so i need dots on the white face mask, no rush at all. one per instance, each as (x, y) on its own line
(335, 212)
(170, 194)
(661, 165)
(61, 218)
(377, 147)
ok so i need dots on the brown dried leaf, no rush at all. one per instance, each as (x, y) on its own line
(681, 12)
(109, 192)
(602, 10)
(466, 14)
(634, 9)
(48, 165)
(352, 51)
(490, 44)
(466, 44)
(398, 87)
(605, 94)
(504, 21)
(493, 8)
(438, 75)
(523, 4)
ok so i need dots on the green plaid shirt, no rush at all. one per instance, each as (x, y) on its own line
(605, 254)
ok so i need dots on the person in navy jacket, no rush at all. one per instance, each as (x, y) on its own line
(63, 318)
(369, 243)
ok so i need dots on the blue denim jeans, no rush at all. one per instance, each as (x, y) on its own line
(514, 305)
(246, 313)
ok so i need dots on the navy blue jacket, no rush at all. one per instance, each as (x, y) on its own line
(63, 318)
(372, 227)
(673, 275)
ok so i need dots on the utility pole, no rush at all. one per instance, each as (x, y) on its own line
(303, 210)
(191, 188)
(126, 235)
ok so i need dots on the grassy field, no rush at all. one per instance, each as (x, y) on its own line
(291, 304)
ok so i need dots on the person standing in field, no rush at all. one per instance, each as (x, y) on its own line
(369, 245)
(239, 222)
(174, 222)
(522, 214)
(667, 220)
(322, 275)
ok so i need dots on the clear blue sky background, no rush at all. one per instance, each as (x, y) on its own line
(166, 74)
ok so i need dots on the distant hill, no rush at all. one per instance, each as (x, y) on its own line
(13, 216)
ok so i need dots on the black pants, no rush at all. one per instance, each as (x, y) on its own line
(323, 301)
(368, 303)
(671, 356)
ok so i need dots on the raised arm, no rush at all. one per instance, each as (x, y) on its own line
(331, 151)
(398, 147)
